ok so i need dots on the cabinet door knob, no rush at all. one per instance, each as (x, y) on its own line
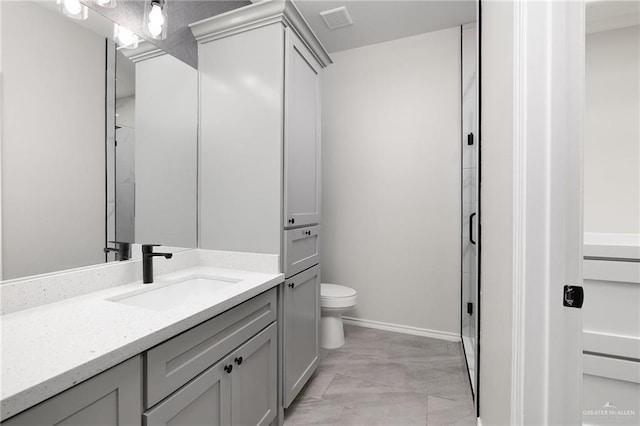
(291, 285)
(228, 368)
(292, 221)
(238, 360)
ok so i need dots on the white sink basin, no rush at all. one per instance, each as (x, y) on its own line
(160, 297)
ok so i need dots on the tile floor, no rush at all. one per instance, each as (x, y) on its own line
(386, 378)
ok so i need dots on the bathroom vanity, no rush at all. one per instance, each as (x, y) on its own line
(137, 354)
(223, 371)
(95, 345)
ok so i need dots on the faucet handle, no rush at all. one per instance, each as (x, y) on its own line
(148, 248)
(123, 249)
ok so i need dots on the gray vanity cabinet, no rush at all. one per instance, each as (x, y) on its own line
(241, 389)
(254, 380)
(260, 72)
(110, 398)
(301, 249)
(204, 401)
(300, 328)
(173, 363)
(302, 135)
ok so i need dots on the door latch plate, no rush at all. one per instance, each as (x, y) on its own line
(573, 296)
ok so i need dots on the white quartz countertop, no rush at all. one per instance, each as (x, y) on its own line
(50, 348)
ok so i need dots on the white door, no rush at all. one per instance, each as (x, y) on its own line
(549, 64)
(302, 135)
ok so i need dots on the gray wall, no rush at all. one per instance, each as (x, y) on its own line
(612, 132)
(53, 199)
(166, 144)
(391, 171)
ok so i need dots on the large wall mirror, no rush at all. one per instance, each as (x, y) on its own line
(99, 141)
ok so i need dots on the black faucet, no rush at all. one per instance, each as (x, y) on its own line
(122, 250)
(147, 261)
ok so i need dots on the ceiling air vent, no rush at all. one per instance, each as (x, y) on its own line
(336, 18)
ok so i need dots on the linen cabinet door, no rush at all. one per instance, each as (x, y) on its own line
(254, 380)
(302, 135)
(301, 249)
(205, 401)
(112, 398)
(301, 326)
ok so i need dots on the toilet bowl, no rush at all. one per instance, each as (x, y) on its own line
(334, 301)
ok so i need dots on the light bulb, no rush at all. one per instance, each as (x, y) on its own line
(73, 9)
(73, 6)
(155, 15)
(154, 29)
(124, 37)
(106, 3)
(155, 19)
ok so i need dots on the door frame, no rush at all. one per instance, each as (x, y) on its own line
(1, 115)
(546, 379)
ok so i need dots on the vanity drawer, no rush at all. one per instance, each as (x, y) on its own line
(301, 249)
(173, 363)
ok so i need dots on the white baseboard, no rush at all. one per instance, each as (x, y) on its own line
(406, 329)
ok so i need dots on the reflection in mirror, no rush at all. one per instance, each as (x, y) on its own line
(67, 190)
(156, 151)
(121, 210)
(612, 108)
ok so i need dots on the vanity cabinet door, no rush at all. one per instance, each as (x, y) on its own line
(173, 363)
(302, 135)
(254, 380)
(301, 313)
(111, 398)
(241, 389)
(205, 401)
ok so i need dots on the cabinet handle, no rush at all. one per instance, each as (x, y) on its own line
(307, 232)
(291, 285)
(471, 240)
(292, 221)
(228, 368)
(238, 360)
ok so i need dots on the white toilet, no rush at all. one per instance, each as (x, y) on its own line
(334, 300)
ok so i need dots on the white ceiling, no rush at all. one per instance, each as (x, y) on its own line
(383, 20)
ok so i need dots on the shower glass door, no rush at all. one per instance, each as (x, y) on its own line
(470, 204)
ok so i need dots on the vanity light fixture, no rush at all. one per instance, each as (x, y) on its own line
(155, 16)
(73, 9)
(125, 38)
(106, 3)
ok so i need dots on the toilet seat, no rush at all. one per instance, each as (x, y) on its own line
(336, 296)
